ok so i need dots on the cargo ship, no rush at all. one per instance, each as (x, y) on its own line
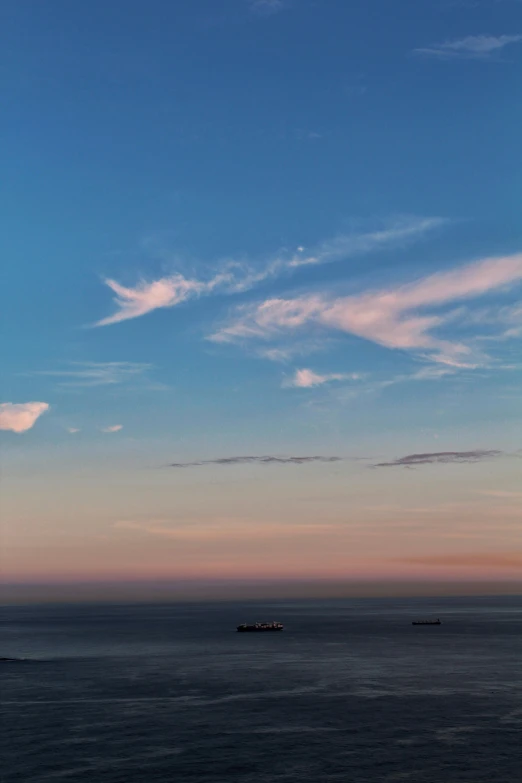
(427, 622)
(260, 627)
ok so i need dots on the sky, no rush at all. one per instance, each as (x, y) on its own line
(261, 309)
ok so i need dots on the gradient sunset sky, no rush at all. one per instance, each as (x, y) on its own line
(261, 291)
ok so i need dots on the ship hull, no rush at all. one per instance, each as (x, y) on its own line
(259, 628)
(427, 622)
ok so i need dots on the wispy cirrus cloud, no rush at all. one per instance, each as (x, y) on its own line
(222, 529)
(237, 276)
(471, 47)
(509, 318)
(371, 386)
(440, 457)
(428, 373)
(512, 318)
(307, 379)
(267, 7)
(391, 317)
(346, 393)
(111, 428)
(20, 417)
(261, 460)
(500, 493)
(97, 373)
(396, 232)
(503, 560)
(148, 296)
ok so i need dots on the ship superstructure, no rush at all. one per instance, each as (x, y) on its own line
(260, 627)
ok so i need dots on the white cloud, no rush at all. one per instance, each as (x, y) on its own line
(98, 373)
(471, 47)
(395, 233)
(20, 417)
(236, 277)
(266, 6)
(391, 317)
(291, 350)
(72, 430)
(347, 394)
(276, 354)
(308, 135)
(429, 374)
(307, 379)
(512, 318)
(112, 428)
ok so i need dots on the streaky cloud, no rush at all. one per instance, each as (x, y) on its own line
(500, 493)
(307, 379)
(508, 560)
(440, 457)
(471, 47)
(236, 277)
(97, 373)
(222, 529)
(262, 460)
(395, 233)
(148, 296)
(266, 7)
(20, 417)
(390, 317)
(112, 428)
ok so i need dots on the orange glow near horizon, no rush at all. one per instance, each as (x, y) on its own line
(312, 523)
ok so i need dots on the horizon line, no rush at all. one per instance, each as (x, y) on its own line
(193, 591)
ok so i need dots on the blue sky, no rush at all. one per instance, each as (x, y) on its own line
(266, 228)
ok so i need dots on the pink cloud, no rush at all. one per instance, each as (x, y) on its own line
(112, 428)
(166, 292)
(236, 277)
(307, 379)
(225, 529)
(388, 317)
(271, 316)
(20, 417)
(501, 560)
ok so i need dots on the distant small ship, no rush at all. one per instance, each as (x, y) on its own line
(260, 627)
(427, 622)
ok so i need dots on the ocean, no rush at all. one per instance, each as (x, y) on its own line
(350, 691)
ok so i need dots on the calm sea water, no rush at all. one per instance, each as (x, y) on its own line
(350, 691)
